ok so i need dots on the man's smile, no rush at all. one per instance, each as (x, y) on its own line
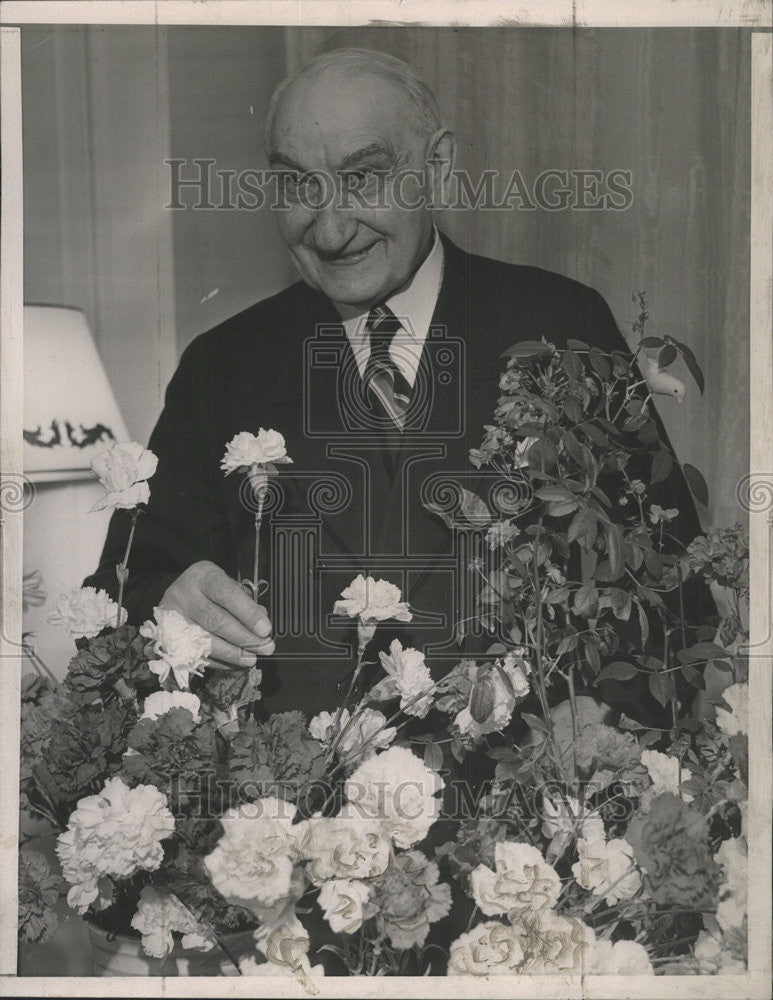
(348, 257)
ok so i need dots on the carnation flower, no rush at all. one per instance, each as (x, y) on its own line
(737, 720)
(123, 471)
(286, 948)
(552, 943)
(733, 856)
(410, 899)
(722, 952)
(39, 891)
(664, 771)
(366, 730)
(606, 868)
(399, 790)
(85, 611)
(343, 847)
(493, 697)
(722, 555)
(407, 676)
(623, 958)
(346, 904)
(115, 833)
(490, 948)
(372, 600)
(246, 450)
(182, 648)
(523, 881)
(671, 844)
(500, 533)
(161, 702)
(158, 915)
(253, 860)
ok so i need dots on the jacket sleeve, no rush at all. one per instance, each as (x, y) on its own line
(185, 520)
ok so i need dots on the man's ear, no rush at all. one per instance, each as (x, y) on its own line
(440, 159)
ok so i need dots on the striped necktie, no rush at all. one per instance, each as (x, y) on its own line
(382, 380)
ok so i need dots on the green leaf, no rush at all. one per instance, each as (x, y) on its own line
(667, 356)
(618, 671)
(644, 624)
(534, 723)
(554, 493)
(433, 756)
(542, 455)
(559, 508)
(662, 464)
(572, 365)
(615, 549)
(527, 350)
(693, 676)
(600, 363)
(661, 686)
(586, 601)
(583, 528)
(592, 656)
(572, 409)
(697, 484)
(576, 345)
(475, 509)
(692, 365)
(702, 651)
(651, 342)
(596, 435)
(629, 725)
(567, 644)
(557, 596)
(621, 603)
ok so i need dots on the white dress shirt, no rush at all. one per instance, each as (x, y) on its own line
(413, 305)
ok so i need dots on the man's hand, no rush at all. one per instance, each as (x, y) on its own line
(240, 629)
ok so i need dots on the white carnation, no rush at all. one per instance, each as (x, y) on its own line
(372, 600)
(85, 611)
(182, 648)
(664, 772)
(161, 702)
(606, 868)
(343, 847)
(253, 860)
(246, 450)
(407, 676)
(115, 833)
(623, 958)
(410, 898)
(523, 881)
(737, 720)
(345, 903)
(158, 915)
(552, 942)
(491, 948)
(397, 789)
(123, 471)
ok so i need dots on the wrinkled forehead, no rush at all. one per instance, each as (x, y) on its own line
(322, 118)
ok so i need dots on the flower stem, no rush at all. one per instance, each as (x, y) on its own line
(261, 497)
(122, 570)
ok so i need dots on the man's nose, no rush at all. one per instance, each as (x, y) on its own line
(334, 227)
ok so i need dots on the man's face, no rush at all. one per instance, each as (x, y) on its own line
(357, 134)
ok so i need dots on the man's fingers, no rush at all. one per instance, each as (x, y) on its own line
(228, 594)
(232, 656)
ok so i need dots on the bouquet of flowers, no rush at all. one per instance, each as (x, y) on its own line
(597, 843)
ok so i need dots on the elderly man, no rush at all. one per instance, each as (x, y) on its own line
(380, 368)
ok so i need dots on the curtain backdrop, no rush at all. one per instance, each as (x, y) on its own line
(671, 106)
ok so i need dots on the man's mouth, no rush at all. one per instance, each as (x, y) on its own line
(349, 257)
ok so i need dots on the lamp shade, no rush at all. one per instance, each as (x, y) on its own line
(70, 412)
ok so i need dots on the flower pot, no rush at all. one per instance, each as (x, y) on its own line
(123, 955)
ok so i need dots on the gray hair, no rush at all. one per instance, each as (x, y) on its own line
(427, 117)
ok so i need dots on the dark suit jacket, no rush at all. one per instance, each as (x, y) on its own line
(352, 502)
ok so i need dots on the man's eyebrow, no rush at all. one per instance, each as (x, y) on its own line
(366, 153)
(279, 159)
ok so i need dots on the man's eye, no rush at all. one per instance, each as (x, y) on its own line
(356, 180)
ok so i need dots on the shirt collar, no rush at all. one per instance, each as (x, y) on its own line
(415, 302)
